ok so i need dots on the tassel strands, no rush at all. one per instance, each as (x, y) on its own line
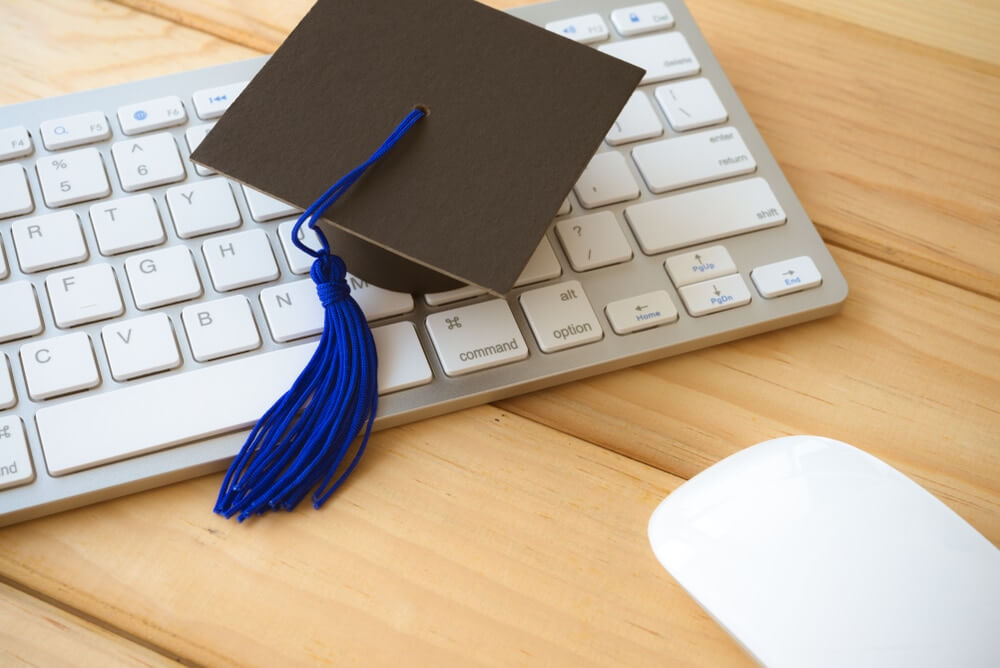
(301, 442)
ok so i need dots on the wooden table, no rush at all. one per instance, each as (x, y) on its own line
(515, 533)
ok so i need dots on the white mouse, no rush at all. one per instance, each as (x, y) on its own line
(811, 552)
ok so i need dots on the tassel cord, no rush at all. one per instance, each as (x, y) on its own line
(313, 390)
(333, 193)
(304, 438)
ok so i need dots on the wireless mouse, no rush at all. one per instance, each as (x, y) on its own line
(811, 552)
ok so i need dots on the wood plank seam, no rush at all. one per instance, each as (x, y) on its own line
(180, 18)
(106, 626)
(946, 55)
(899, 261)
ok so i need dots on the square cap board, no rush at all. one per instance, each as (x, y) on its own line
(515, 114)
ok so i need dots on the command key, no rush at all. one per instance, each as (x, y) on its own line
(15, 462)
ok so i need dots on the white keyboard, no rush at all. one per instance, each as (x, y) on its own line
(151, 310)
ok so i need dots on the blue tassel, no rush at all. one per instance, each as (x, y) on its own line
(303, 439)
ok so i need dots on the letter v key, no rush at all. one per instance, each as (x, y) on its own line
(140, 346)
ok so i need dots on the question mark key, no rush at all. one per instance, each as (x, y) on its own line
(593, 241)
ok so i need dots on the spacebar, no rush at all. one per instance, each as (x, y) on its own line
(160, 413)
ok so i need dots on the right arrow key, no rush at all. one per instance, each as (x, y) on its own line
(787, 276)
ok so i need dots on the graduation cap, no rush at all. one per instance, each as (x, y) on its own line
(510, 116)
(516, 113)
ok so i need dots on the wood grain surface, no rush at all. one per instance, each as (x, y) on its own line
(515, 534)
(37, 633)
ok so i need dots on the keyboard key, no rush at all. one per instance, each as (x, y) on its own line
(163, 112)
(221, 327)
(4, 270)
(15, 462)
(561, 316)
(240, 259)
(642, 312)
(203, 207)
(476, 337)
(127, 223)
(787, 276)
(19, 316)
(689, 160)
(8, 397)
(376, 302)
(639, 19)
(402, 363)
(691, 104)
(704, 215)
(205, 397)
(606, 180)
(715, 295)
(149, 161)
(564, 208)
(193, 136)
(162, 277)
(298, 261)
(213, 400)
(44, 242)
(666, 56)
(593, 241)
(585, 29)
(68, 178)
(211, 103)
(264, 207)
(292, 310)
(60, 365)
(542, 265)
(637, 121)
(76, 130)
(15, 195)
(15, 142)
(140, 346)
(700, 265)
(85, 294)
(451, 296)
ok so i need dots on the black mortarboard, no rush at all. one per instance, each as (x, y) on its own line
(515, 114)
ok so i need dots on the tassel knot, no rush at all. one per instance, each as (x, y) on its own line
(330, 276)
